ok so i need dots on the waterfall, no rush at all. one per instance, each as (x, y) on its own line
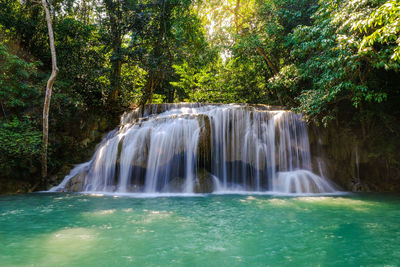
(202, 148)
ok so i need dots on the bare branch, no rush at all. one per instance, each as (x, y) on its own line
(49, 89)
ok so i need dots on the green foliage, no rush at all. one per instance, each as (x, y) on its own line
(81, 61)
(382, 27)
(133, 81)
(20, 140)
(332, 59)
(286, 84)
(16, 90)
(20, 146)
(251, 37)
(201, 84)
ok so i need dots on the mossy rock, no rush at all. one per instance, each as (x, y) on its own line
(204, 182)
(76, 183)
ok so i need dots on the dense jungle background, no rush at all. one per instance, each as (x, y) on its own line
(336, 61)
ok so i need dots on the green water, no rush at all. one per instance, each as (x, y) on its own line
(225, 230)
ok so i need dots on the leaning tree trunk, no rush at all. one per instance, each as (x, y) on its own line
(49, 89)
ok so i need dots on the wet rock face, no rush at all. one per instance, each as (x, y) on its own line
(76, 183)
(204, 143)
(204, 182)
(348, 160)
(174, 186)
(358, 186)
(189, 147)
(84, 133)
(8, 186)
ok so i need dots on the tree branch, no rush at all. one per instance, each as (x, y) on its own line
(271, 65)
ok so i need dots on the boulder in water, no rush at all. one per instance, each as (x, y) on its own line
(76, 183)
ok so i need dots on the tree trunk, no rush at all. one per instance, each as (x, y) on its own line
(113, 8)
(49, 89)
(116, 64)
(236, 16)
(156, 74)
(271, 65)
(116, 67)
(152, 82)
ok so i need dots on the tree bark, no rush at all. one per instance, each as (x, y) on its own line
(116, 68)
(236, 16)
(49, 89)
(114, 10)
(153, 81)
(116, 62)
(156, 75)
(271, 65)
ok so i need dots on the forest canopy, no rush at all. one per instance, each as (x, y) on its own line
(329, 59)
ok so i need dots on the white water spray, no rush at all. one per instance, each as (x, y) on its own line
(194, 148)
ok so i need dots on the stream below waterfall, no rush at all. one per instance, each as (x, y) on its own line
(63, 229)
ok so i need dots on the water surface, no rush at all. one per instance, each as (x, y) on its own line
(208, 230)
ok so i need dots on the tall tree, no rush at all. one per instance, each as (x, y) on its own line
(159, 47)
(114, 12)
(49, 89)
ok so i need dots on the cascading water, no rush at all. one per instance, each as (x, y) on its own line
(194, 148)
